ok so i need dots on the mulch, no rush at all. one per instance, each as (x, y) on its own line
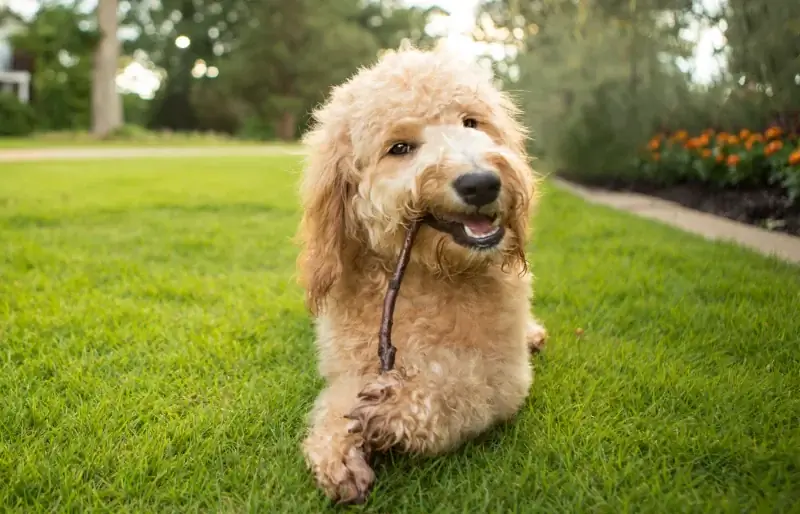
(763, 207)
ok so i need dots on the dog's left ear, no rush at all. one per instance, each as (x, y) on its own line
(327, 219)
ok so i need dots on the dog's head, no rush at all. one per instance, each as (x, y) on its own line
(418, 135)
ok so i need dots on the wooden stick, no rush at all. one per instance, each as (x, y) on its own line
(385, 349)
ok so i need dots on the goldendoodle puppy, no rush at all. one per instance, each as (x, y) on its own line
(418, 135)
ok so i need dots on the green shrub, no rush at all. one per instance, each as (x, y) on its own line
(16, 118)
(130, 132)
(257, 129)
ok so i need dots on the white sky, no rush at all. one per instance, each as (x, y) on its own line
(456, 29)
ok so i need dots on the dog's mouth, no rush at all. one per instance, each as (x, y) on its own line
(478, 231)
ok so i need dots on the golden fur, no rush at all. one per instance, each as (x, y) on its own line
(462, 325)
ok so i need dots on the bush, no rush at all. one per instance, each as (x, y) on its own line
(257, 129)
(17, 118)
(130, 132)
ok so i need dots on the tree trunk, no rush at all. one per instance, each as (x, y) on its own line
(106, 103)
(287, 126)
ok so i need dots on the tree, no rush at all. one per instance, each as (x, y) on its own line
(107, 113)
(595, 77)
(209, 30)
(271, 60)
(763, 38)
(57, 42)
(390, 22)
(291, 53)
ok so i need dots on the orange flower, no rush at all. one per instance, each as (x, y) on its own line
(722, 136)
(706, 153)
(755, 138)
(720, 157)
(744, 134)
(733, 160)
(680, 135)
(773, 132)
(773, 147)
(794, 158)
(733, 140)
(654, 144)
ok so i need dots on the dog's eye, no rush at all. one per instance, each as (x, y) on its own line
(400, 149)
(470, 123)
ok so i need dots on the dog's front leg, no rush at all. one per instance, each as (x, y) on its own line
(536, 335)
(336, 456)
(433, 411)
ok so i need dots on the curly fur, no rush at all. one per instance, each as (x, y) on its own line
(462, 326)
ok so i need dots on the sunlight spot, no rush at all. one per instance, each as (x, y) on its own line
(182, 42)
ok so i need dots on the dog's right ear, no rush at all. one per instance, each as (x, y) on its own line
(327, 221)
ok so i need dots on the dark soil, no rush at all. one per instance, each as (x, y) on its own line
(764, 207)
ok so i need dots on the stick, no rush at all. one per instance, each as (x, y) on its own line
(385, 349)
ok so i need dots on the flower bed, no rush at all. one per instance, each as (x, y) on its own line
(723, 160)
(751, 177)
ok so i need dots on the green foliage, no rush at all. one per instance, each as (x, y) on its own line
(392, 21)
(17, 118)
(257, 128)
(591, 79)
(763, 38)
(136, 109)
(300, 50)
(61, 39)
(596, 79)
(213, 29)
(276, 59)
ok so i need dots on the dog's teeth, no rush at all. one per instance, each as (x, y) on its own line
(475, 235)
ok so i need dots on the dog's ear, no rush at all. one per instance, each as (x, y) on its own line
(327, 219)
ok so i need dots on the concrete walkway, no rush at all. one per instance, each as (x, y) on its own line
(106, 152)
(780, 245)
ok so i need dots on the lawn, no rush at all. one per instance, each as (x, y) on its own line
(156, 357)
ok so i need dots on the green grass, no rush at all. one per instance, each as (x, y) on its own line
(155, 356)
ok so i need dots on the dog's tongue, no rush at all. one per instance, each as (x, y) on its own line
(479, 224)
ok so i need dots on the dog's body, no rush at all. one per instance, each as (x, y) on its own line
(418, 135)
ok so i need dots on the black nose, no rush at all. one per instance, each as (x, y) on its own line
(478, 188)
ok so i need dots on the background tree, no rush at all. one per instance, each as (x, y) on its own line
(290, 54)
(208, 30)
(59, 40)
(763, 50)
(107, 114)
(257, 66)
(595, 78)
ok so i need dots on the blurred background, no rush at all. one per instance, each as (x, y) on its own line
(603, 83)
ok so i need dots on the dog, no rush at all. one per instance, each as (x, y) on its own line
(417, 135)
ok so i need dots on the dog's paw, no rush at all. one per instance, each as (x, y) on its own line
(536, 337)
(378, 416)
(344, 477)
